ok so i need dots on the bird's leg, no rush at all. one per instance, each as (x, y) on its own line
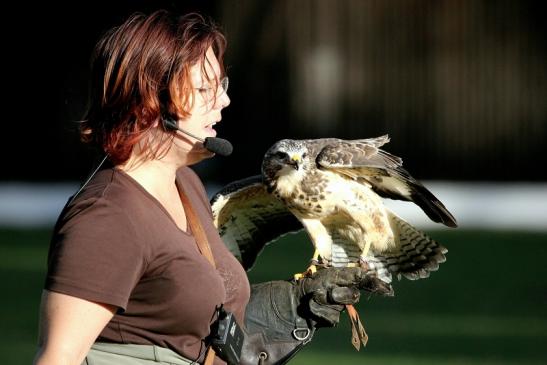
(313, 263)
(321, 240)
(362, 258)
(311, 269)
(364, 253)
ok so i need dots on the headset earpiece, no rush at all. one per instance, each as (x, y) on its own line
(169, 123)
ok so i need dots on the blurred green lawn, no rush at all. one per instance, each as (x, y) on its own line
(486, 305)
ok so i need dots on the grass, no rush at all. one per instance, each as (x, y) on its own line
(486, 305)
(23, 255)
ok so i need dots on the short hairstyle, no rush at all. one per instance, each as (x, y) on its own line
(141, 70)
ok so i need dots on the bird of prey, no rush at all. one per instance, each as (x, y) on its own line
(333, 188)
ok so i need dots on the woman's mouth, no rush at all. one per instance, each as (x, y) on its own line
(210, 129)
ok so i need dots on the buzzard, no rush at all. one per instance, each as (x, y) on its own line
(333, 189)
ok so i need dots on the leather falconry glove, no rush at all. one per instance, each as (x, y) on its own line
(282, 316)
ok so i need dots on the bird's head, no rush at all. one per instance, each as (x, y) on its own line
(287, 157)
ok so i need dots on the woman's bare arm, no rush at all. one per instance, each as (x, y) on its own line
(68, 327)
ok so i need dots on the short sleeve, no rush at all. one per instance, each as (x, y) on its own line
(96, 255)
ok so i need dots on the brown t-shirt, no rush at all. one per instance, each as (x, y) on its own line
(116, 244)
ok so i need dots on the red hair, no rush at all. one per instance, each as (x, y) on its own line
(141, 70)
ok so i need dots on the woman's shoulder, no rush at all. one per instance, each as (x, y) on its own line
(109, 194)
(188, 174)
(192, 183)
(106, 186)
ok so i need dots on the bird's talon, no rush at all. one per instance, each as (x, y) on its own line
(312, 269)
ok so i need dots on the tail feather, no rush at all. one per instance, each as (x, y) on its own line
(416, 254)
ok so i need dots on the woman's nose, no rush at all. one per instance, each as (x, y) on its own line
(222, 100)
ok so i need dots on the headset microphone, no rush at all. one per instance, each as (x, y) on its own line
(218, 146)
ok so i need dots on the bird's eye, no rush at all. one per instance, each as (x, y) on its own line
(304, 155)
(280, 155)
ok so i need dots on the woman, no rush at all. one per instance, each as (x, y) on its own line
(126, 281)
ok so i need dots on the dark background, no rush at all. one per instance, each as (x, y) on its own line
(459, 86)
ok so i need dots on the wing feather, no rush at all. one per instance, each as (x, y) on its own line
(364, 161)
(248, 218)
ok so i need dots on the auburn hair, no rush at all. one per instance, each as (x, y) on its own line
(140, 70)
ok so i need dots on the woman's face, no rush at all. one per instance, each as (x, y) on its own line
(206, 108)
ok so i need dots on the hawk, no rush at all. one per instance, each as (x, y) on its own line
(333, 189)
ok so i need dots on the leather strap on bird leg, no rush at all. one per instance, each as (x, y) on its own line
(358, 333)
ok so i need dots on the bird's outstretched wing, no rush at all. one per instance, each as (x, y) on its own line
(248, 218)
(364, 161)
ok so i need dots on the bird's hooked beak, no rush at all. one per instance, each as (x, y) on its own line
(295, 161)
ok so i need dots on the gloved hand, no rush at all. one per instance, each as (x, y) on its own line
(324, 294)
(282, 316)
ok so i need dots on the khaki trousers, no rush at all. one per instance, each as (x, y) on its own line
(102, 353)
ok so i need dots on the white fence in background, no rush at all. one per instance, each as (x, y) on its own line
(521, 206)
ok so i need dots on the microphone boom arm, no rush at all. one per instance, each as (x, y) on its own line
(218, 146)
